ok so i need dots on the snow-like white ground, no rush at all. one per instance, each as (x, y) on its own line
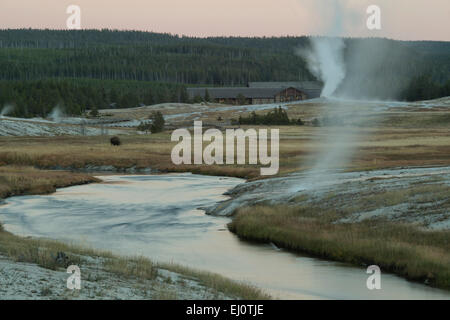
(349, 185)
(380, 105)
(28, 281)
(175, 112)
(128, 124)
(41, 127)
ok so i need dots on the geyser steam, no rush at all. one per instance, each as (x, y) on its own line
(56, 114)
(7, 109)
(325, 56)
(325, 60)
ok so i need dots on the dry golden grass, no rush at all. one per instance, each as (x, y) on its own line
(43, 252)
(77, 152)
(20, 180)
(403, 249)
(219, 283)
(380, 147)
(139, 267)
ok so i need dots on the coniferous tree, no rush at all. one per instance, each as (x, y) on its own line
(207, 96)
(157, 122)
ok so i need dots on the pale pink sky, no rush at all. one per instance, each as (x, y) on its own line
(401, 19)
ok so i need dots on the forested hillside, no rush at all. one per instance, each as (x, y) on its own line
(82, 69)
(74, 96)
(141, 56)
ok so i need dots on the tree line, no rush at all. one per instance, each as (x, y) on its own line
(74, 96)
(28, 54)
(86, 69)
(425, 88)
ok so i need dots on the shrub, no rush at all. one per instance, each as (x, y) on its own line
(144, 126)
(277, 116)
(298, 122)
(94, 112)
(241, 99)
(157, 122)
(197, 99)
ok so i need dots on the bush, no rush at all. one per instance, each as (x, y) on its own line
(94, 112)
(277, 116)
(197, 99)
(157, 122)
(115, 141)
(144, 126)
(241, 99)
(298, 122)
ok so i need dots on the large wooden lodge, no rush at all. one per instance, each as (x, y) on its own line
(260, 92)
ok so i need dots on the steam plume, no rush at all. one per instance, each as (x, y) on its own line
(325, 61)
(56, 114)
(7, 109)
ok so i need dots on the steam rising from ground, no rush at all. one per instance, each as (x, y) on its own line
(325, 60)
(339, 141)
(325, 57)
(7, 109)
(371, 65)
(361, 69)
(56, 114)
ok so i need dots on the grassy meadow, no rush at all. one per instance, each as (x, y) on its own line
(378, 147)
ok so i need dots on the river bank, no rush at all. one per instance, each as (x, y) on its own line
(158, 217)
(32, 267)
(332, 224)
(397, 219)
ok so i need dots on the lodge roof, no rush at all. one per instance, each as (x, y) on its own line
(258, 90)
(301, 85)
(233, 92)
(313, 89)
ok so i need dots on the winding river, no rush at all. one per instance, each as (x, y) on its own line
(158, 216)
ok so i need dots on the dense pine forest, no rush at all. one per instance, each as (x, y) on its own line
(91, 69)
(74, 96)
